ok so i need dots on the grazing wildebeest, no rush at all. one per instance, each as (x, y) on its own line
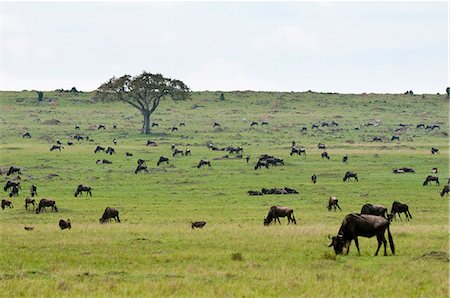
(314, 178)
(13, 170)
(445, 191)
(108, 214)
(6, 203)
(182, 124)
(215, 124)
(298, 151)
(254, 123)
(46, 203)
(321, 146)
(155, 124)
(162, 159)
(14, 191)
(334, 123)
(198, 224)
(323, 124)
(398, 207)
(345, 158)
(103, 161)
(187, 152)
(434, 150)
(254, 193)
(82, 188)
(99, 148)
(275, 212)
(434, 170)
(110, 151)
(151, 143)
(101, 126)
(128, 154)
(333, 203)
(395, 138)
(364, 225)
(141, 168)
(26, 135)
(33, 190)
(273, 191)
(177, 151)
(29, 201)
(9, 184)
(304, 129)
(77, 127)
(65, 224)
(56, 147)
(325, 155)
(204, 162)
(349, 175)
(174, 129)
(28, 228)
(69, 143)
(376, 139)
(315, 126)
(378, 210)
(290, 190)
(430, 179)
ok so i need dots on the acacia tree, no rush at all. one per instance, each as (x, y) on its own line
(143, 92)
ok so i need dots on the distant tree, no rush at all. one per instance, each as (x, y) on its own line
(143, 92)
(222, 97)
(40, 95)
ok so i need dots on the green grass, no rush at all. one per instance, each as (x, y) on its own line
(154, 252)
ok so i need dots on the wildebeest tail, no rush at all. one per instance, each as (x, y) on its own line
(391, 241)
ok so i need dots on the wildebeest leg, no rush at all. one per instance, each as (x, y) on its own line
(410, 217)
(90, 193)
(379, 245)
(279, 222)
(406, 215)
(337, 206)
(357, 244)
(118, 218)
(400, 216)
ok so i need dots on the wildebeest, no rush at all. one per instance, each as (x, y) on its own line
(304, 129)
(46, 203)
(151, 143)
(56, 147)
(6, 203)
(140, 168)
(99, 148)
(177, 151)
(162, 159)
(261, 163)
(395, 138)
(101, 126)
(398, 207)
(140, 161)
(254, 193)
(82, 188)
(14, 191)
(103, 161)
(434, 150)
(349, 175)
(430, 179)
(65, 224)
(315, 126)
(325, 155)
(114, 126)
(433, 126)
(434, 170)
(182, 124)
(364, 225)
(445, 191)
(204, 162)
(58, 142)
(77, 127)
(333, 203)
(187, 152)
(403, 170)
(298, 151)
(377, 210)
(174, 128)
(13, 170)
(254, 123)
(69, 143)
(115, 141)
(275, 212)
(274, 191)
(264, 123)
(247, 158)
(108, 214)
(376, 139)
(128, 154)
(198, 224)
(420, 125)
(110, 151)
(9, 184)
(321, 146)
(29, 201)
(78, 137)
(314, 178)
(33, 190)
(345, 158)
(26, 135)
(155, 124)
(215, 124)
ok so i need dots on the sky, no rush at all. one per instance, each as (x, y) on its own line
(345, 47)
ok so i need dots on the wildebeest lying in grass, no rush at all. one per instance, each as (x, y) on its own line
(349, 175)
(325, 155)
(9, 184)
(314, 178)
(174, 129)
(46, 203)
(65, 224)
(398, 207)
(264, 123)
(99, 148)
(198, 224)
(364, 225)
(274, 191)
(431, 179)
(420, 125)
(403, 170)
(56, 147)
(162, 159)
(434, 150)
(445, 191)
(254, 123)
(376, 139)
(26, 135)
(254, 193)
(182, 124)
(30, 201)
(13, 170)
(103, 161)
(377, 210)
(275, 212)
(82, 188)
(6, 203)
(151, 143)
(204, 162)
(333, 203)
(215, 124)
(110, 151)
(108, 214)
(140, 168)
(70, 143)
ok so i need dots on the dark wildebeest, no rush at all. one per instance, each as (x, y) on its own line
(274, 191)
(290, 190)
(26, 135)
(56, 147)
(376, 139)
(187, 152)
(298, 151)
(114, 126)
(198, 224)
(434, 150)
(325, 155)
(254, 193)
(174, 129)
(99, 148)
(58, 142)
(82, 188)
(46, 203)
(108, 214)
(103, 161)
(395, 138)
(77, 127)
(9, 184)
(78, 137)
(333, 203)
(264, 123)
(6, 203)
(377, 210)
(101, 126)
(434, 170)
(155, 124)
(433, 126)
(275, 212)
(314, 178)
(254, 123)
(345, 158)
(182, 124)
(323, 124)
(115, 141)
(349, 175)
(65, 224)
(177, 151)
(304, 129)
(162, 159)
(141, 168)
(140, 161)
(398, 207)
(445, 191)
(203, 163)
(215, 124)
(128, 154)
(430, 179)
(321, 146)
(110, 151)
(247, 158)
(13, 170)
(33, 190)
(151, 143)
(69, 143)
(315, 126)
(364, 225)
(420, 125)
(29, 201)
(14, 191)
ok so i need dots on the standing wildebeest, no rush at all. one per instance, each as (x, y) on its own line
(82, 188)
(33, 190)
(10, 184)
(162, 159)
(99, 148)
(364, 225)
(215, 124)
(445, 191)
(69, 143)
(314, 178)
(304, 129)
(110, 151)
(174, 128)
(65, 224)
(6, 203)
(177, 151)
(254, 123)
(198, 224)
(56, 147)
(434, 170)
(321, 146)
(430, 179)
(377, 210)
(155, 124)
(141, 167)
(29, 201)
(434, 150)
(349, 175)
(275, 212)
(140, 162)
(26, 135)
(298, 151)
(315, 126)
(395, 138)
(333, 203)
(101, 126)
(78, 137)
(204, 162)
(13, 170)
(325, 155)
(345, 158)
(398, 207)
(187, 152)
(108, 214)
(58, 142)
(14, 191)
(376, 139)
(46, 203)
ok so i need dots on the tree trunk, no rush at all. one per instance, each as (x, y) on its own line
(146, 126)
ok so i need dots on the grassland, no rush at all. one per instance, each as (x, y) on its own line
(154, 252)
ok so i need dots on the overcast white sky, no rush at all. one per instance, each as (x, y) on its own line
(353, 47)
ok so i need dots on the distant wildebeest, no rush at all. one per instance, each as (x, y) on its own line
(345, 158)
(14, 191)
(151, 143)
(376, 139)
(398, 171)
(56, 147)
(275, 212)
(6, 203)
(403, 170)
(182, 124)
(395, 138)
(77, 127)
(78, 137)
(81, 188)
(108, 214)
(128, 154)
(434, 170)
(101, 126)
(198, 224)
(177, 151)
(325, 155)
(254, 193)
(247, 158)
(445, 191)
(323, 124)
(430, 179)
(65, 224)
(274, 191)
(314, 179)
(447, 90)
(304, 129)
(187, 152)
(334, 123)
(9, 184)
(33, 190)
(321, 146)
(298, 151)
(398, 207)
(29, 201)
(141, 168)
(58, 142)
(26, 135)
(110, 151)
(254, 123)
(115, 141)
(69, 143)
(420, 125)
(114, 126)
(13, 170)
(349, 175)
(174, 129)
(333, 203)
(103, 161)
(434, 150)
(315, 126)
(290, 190)
(140, 161)
(99, 148)
(364, 225)
(264, 123)
(162, 159)
(215, 124)
(377, 210)
(46, 203)
(433, 126)
(204, 162)
(155, 124)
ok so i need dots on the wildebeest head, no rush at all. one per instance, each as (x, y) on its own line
(337, 242)
(267, 221)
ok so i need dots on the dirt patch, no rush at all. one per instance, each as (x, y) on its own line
(52, 122)
(441, 256)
